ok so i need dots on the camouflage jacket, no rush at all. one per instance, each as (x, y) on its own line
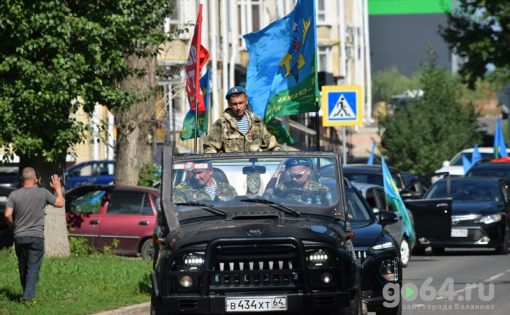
(226, 137)
(184, 192)
(316, 193)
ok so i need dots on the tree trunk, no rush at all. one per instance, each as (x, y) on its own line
(56, 241)
(135, 126)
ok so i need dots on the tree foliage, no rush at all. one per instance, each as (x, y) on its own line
(388, 83)
(478, 32)
(57, 55)
(432, 128)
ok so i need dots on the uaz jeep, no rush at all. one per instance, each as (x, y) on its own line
(253, 232)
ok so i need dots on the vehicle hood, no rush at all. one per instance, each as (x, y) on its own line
(303, 228)
(366, 235)
(481, 207)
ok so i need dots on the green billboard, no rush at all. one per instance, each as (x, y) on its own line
(393, 7)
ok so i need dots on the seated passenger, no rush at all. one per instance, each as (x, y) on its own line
(202, 186)
(297, 184)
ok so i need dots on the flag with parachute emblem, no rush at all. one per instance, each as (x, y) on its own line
(282, 69)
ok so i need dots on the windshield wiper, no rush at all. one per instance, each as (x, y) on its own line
(273, 204)
(204, 206)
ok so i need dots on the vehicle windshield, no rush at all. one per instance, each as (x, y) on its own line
(457, 160)
(237, 183)
(485, 172)
(466, 191)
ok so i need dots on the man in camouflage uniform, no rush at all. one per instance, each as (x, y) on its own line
(239, 130)
(296, 183)
(202, 187)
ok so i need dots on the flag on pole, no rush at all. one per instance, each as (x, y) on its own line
(197, 58)
(393, 198)
(476, 156)
(188, 125)
(281, 77)
(499, 141)
(466, 164)
(372, 154)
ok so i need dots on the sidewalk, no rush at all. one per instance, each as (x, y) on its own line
(137, 309)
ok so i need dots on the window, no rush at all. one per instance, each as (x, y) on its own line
(89, 202)
(321, 11)
(126, 202)
(146, 206)
(324, 57)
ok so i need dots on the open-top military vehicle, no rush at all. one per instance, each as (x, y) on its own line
(253, 242)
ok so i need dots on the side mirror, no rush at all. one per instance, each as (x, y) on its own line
(387, 217)
(376, 210)
(446, 163)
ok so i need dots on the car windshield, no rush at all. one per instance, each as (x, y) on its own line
(285, 184)
(485, 172)
(466, 191)
(457, 160)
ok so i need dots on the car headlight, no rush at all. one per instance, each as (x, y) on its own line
(194, 261)
(317, 258)
(488, 219)
(384, 245)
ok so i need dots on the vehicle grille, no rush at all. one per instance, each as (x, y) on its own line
(361, 255)
(255, 266)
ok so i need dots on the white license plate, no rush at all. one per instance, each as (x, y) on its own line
(256, 304)
(459, 232)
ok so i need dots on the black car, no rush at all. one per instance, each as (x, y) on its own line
(9, 176)
(491, 169)
(6, 236)
(376, 249)
(463, 212)
(255, 252)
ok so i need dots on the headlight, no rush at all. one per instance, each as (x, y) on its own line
(317, 258)
(193, 261)
(385, 245)
(488, 219)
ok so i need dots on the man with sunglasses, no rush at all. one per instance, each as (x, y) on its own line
(202, 187)
(297, 183)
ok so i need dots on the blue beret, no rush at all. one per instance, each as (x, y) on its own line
(298, 161)
(235, 90)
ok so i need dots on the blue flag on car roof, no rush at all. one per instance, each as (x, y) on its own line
(476, 156)
(499, 142)
(281, 76)
(393, 198)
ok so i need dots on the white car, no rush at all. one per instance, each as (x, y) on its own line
(455, 167)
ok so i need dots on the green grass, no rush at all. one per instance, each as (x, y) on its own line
(77, 284)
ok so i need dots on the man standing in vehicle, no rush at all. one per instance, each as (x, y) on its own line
(296, 182)
(24, 211)
(202, 186)
(239, 129)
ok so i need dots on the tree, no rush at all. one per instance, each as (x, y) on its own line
(478, 32)
(57, 56)
(432, 128)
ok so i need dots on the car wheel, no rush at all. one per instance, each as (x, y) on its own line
(405, 252)
(418, 251)
(502, 248)
(438, 250)
(147, 250)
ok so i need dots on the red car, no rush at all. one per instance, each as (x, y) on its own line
(121, 217)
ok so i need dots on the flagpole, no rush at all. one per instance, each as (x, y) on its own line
(195, 135)
(317, 126)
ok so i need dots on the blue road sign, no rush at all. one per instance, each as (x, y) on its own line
(341, 106)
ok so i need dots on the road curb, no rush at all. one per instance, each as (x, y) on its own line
(136, 309)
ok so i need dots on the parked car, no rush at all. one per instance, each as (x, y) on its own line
(455, 167)
(6, 236)
(463, 212)
(376, 249)
(89, 172)
(121, 217)
(374, 195)
(9, 176)
(493, 168)
(257, 252)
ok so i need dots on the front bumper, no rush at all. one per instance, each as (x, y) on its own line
(297, 302)
(478, 235)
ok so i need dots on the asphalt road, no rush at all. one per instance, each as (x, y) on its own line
(461, 281)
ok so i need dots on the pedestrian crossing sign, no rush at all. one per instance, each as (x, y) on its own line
(341, 106)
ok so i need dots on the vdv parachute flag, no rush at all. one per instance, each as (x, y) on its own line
(499, 142)
(188, 125)
(393, 198)
(281, 77)
(197, 58)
